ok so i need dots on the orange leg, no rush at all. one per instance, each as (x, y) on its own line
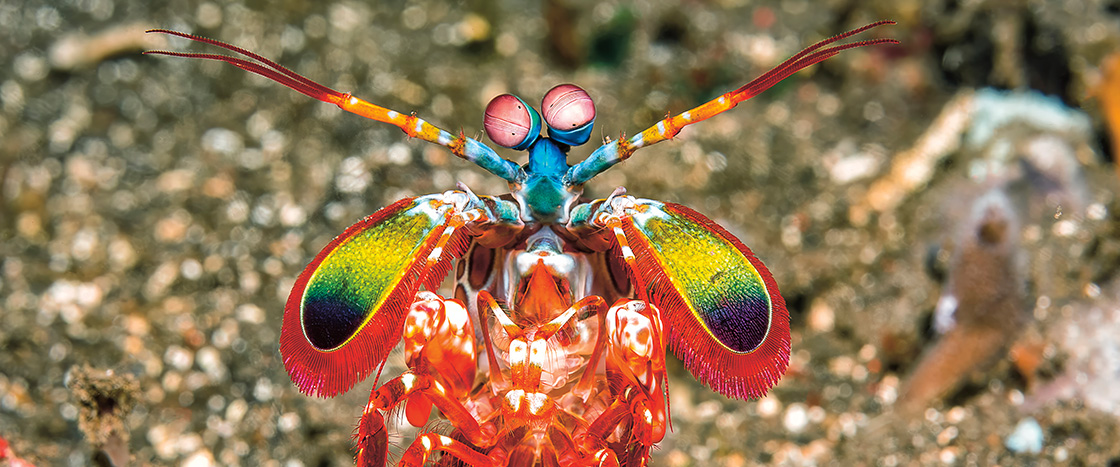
(594, 439)
(646, 426)
(569, 454)
(372, 441)
(427, 443)
(586, 382)
(603, 458)
(372, 437)
(486, 303)
(647, 415)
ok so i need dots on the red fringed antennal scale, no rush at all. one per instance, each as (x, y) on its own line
(345, 312)
(725, 318)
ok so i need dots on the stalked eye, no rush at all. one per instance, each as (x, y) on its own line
(569, 113)
(511, 123)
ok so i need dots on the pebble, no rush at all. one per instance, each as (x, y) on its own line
(707, 410)
(817, 414)
(210, 360)
(1061, 454)
(796, 418)
(842, 366)
(822, 318)
(250, 313)
(222, 141)
(200, 458)
(769, 406)
(178, 357)
(854, 167)
(947, 435)
(236, 410)
(948, 456)
(288, 422)
(888, 389)
(263, 390)
(955, 415)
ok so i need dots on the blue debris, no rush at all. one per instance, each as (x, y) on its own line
(1027, 437)
(993, 109)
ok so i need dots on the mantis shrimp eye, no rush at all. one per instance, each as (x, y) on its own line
(511, 123)
(570, 114)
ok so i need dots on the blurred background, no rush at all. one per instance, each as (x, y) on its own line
(939, 215)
